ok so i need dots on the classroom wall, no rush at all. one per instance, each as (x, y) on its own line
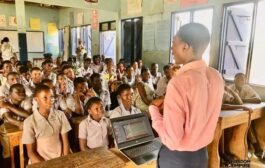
(46, 16)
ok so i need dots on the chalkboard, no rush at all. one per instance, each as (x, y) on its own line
(35, 40)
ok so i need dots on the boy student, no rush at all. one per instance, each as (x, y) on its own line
(35, 78)
(125, 97)
(6, 68)
(97, 65)
(162, 83)
(47, 71)
(86, 71)
(196, 108)
(76, 102)
(99, 91)
(68, 71)
(155, 75)
(246, 93)
(13, 110)
(45, 132)
(95, 130)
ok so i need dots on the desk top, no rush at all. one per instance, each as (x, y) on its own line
(96, 158)
(12, 129)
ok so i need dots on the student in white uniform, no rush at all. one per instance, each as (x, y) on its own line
(125, 98)
(95, 130)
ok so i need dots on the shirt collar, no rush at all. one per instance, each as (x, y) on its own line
(89, 118)
(192, 65)
(38, 116)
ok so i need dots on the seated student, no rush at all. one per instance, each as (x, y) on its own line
(61, 87)
(17, 66)
(13, 110)
(45, 131)
(109, 75)
(144, 91)
(125, 96)
(162, 83)
(86, 71)
(246, 93)
(121, 70)
(6, 68)
(76, 102)
(94, 131)
(24, 75)
(155, 75)
(35, 78)
(47, 71)
(129, 76)
(136, 69)
(12, 78)
(68, 71)
(97, 65)
(99, 91)
(113, 94)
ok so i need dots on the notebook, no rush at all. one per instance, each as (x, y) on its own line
(135, 139)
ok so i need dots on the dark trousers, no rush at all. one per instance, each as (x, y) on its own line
(182, 159)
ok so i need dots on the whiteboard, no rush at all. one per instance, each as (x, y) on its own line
(13, 38)
(35, 40)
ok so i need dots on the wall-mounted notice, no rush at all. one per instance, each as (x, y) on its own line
(34, 23)
(186, 3)
(52, 29)
(134, 6)
(169, 1)
(3, 21)
(12, 21)
(94, 24)
(149, 37)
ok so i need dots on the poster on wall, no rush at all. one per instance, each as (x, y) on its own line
(52, 29)
(3, 21)
(94, 24)
(187, 3)
(134, 6)
(34, 23)
(169, 1)
(12, 21)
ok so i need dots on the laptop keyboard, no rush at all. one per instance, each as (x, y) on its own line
(142, 149)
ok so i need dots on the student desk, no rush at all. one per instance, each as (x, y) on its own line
(96, 158)
(14, 136)
(75, 121)
(238, 119)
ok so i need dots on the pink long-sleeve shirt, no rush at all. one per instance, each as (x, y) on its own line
(191, 108)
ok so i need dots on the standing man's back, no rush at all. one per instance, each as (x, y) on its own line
(192, 103)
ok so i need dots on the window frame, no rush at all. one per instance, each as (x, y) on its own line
(191, 11)
(251, 40)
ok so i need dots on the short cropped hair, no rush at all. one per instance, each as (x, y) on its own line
(12, 73)
(39, 88)
(195, 35)
(79, 80)
(239, 74)
(16, 86)
(35, 69)
(93, 76)
(123, 87)
(92, 101)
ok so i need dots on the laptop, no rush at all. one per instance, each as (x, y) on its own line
(135, 139)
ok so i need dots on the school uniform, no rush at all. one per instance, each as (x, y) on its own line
(4, 90)
(161, 86)
(82, 72)
(70, 102)
(3, 80)
(121, 111)
(96, 133)
(156, 78)
(46, 132)
(246, 92)
(97, 68)
(104, 96)
(52, 76)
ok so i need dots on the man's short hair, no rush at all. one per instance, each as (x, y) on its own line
(39, 88)
(6, 62)
(166, 67)
(195, 35)
(79, 80)
(93, 76)
(23, 69)
(35, 69)
(92, 101)
(16, 86)
(12, 73)
(66, 67)
(239, 74)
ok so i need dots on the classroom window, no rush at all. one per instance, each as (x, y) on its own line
(237, 28)
(108, 40)
(84, 34)
(203, 16)
(257, 73)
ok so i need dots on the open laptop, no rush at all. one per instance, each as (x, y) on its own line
(135, 139)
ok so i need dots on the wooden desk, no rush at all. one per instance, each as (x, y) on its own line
(240, 121)
(75, 121)
(96, 158)
(14, 135)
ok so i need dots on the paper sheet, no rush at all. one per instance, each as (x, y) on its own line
(34, 23)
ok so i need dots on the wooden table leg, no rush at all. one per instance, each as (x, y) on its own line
(21, 153)
(15, 140)
(11, 148)
(214, 159)
(259, 126)
(238, 142)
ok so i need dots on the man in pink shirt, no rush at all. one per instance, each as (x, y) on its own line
(186, 118)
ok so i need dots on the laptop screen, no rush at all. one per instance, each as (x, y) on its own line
(132, 129)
